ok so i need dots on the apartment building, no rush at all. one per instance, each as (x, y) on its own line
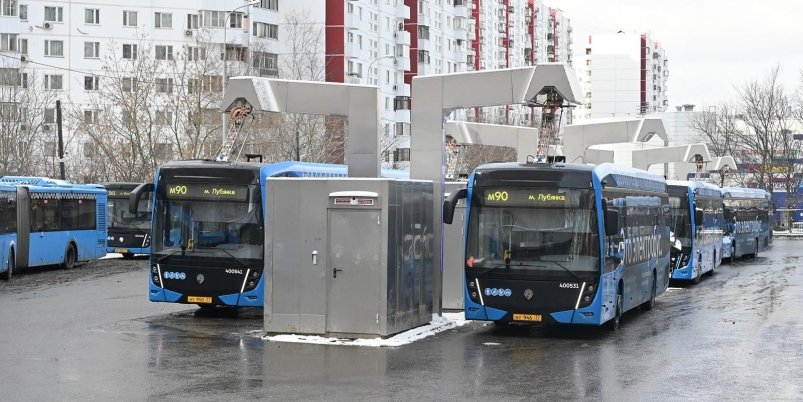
(623, 75)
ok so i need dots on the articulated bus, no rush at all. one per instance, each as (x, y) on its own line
(562, 243)
(129, 233)
(47, 222)
(695, 213)
(747, 221)
(208, 233)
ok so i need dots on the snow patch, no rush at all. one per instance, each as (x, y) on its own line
(437, 325)
(111, 255)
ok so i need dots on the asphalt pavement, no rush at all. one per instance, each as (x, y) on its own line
(91, 334)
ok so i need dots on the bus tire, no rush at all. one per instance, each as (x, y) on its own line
(755, 254)
(732, 258)
(699, 272)
(69, 257)
(613, 323)
(10, 269)
(128, 256)
(649, 304)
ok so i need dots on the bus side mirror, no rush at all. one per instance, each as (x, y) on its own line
(611, 222)
(698, 217)
(136, 195)
(450, 203)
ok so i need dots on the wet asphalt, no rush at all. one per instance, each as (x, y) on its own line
(91, 334)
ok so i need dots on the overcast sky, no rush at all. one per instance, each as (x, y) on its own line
(713, 46)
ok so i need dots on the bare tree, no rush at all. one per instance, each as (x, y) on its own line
(27, 122)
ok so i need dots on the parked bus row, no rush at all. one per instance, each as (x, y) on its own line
(549, 243)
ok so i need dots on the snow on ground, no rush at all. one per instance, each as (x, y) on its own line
(112, 255)
(437, 325)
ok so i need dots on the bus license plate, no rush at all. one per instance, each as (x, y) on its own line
(199, 299)
(527, 317)
(121, 250)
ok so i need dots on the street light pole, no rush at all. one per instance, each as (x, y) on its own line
(375, 60)
(223, 119)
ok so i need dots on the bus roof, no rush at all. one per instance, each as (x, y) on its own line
(121, 185)
(46, 182)
(741, 192)
(627, 177)
(699, 187)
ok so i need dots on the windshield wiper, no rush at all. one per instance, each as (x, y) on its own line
(579, 278)
(225, 251)
(164, 257)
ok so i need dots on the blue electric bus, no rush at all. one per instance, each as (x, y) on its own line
(48, 222)
(696, 217)
(129, 233)
(562, 243)
(208, 233)
(747, 221)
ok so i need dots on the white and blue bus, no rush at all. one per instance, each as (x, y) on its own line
(747, 221)
(129, 234)
(696, 217)
(208, 232)
(49, 222)
(562, 243)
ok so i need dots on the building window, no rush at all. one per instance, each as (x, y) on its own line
(129, 18)
(91, 50)
(50, 116)
(89, 150)
(213, 19)
(130, 51)
(129, 84)
(271, 4)
(262, 30)
(236, 20)
(162, 151)
(91, 83)
(54, 48)
(402, 103)
(54, 14)
(163, 20)
(90, 117)
(24, 12)
(195, 53)
(212, 83)
(8, 42)
(163, 118)
(401, 155)
(23, 46)
(164, 85)
(164, 52)
(53, 81)
(193, 21)
(9, 77)
(92, 16)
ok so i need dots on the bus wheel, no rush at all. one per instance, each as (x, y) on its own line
(10, 270)
(69, 257)
(613, 323)
(128, 256)
(699, 272)
(649, 304)
(733, 254)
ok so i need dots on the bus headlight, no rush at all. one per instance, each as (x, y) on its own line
(587, 296)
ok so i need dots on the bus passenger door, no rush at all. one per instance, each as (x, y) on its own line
(23, 226)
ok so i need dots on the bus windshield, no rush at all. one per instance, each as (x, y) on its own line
(680, 220)
(120, 218)
(208, 220)
(536, 230)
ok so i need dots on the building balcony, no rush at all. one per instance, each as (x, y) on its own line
(424, 20)
(402, 37)
(461, 34)
(460, 54)
(424, 44)
(401, 89)
(425, 69)
(402, 63)
(402, 116)
(352, 50)
(402, 11)
(461, 10)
